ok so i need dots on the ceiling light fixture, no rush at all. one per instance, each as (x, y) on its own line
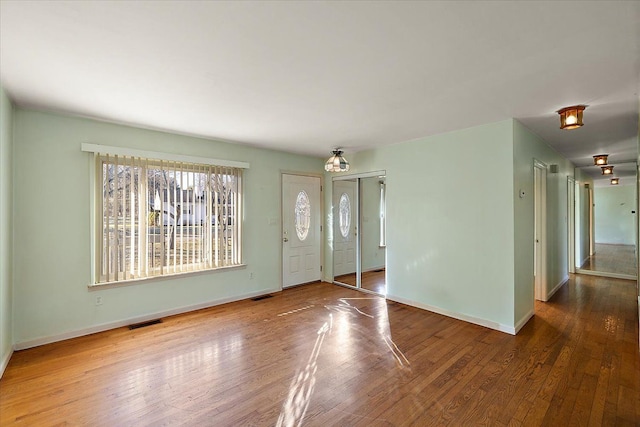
(600, 159)
(607, 170)
(615, 181)
(336, 163)
(571, 117)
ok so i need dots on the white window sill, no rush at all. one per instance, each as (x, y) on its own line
(163, 277)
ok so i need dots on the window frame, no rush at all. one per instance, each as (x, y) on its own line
(152, 160)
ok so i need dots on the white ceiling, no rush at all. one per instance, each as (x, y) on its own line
(309, 76)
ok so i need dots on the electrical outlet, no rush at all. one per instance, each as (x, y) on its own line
(99, 300)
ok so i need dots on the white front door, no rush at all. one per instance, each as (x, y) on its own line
(345, 228)
(300, 229)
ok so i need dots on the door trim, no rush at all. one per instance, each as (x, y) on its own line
(540, 195)
(571, 224)
(359, 175)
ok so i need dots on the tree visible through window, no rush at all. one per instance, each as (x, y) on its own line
(162, 217)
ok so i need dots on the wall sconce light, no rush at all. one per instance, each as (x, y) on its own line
(615, 181)
(571, 117)
(336, 163)
(600, 159)
(607, 170)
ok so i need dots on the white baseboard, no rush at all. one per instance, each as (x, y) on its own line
(5, 361)
(125, 322)
(523, 321)
(471, 319)
(558, 286)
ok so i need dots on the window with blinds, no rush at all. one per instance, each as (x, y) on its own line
(159, 217)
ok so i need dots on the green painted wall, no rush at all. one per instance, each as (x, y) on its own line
(614, 221)
(449, 221)
(527, 147)
(6, 296)
(52, 227)
(458, 237)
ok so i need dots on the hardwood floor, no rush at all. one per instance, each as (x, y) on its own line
(347, 279)
(323, 355)
(371, 280)
(608, 258)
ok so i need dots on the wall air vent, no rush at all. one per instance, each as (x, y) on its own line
(145, 324)
(261, 297)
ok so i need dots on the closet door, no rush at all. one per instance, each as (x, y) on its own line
(372, 234)
(345, 232)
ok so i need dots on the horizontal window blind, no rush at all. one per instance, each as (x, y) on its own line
(160, 217)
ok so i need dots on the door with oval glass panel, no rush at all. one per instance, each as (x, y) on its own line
(345, 231)
(301, 233)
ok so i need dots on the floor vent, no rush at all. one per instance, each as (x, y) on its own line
(261, 297)
(144, 324)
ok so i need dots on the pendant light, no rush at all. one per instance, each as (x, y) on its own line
(600, 159)
(571, 117)
(607, 170)
(336, 163)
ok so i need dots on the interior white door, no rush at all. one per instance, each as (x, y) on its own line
(301, 233)
(345, 204)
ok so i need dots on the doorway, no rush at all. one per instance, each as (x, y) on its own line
(540, 230)
(301, 229)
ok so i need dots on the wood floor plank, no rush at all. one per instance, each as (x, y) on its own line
(321, 354)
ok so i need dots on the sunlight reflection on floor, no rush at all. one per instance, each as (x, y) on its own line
(303, 383)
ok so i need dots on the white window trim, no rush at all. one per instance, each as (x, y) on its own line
(156, 155)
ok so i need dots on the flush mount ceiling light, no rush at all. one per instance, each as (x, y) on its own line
(600, 159)
(336, 163)
(607, 170)
(615, 181)
(571, 117)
